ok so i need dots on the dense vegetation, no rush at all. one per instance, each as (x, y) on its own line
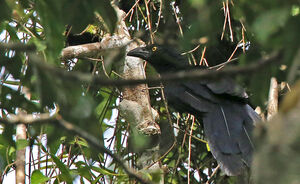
(68, 104)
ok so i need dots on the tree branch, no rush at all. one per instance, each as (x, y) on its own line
(273, 98)
(17, 46)
(195, 74)
(92, 49)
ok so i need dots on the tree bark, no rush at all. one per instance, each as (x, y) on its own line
(273, 98)
(20, 155)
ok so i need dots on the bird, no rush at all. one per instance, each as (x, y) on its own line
(220, 104)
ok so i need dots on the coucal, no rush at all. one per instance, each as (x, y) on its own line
(220, 103)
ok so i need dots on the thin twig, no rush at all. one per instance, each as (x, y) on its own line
(243, 36)
(177, 19)
(232, 54)
(190, 148)
(225, 20)
(229, 22)
(141, 11)
(163, 156)
(203, 58)
(131, 9)
(149, 21)
(190, 51)
(93, 73)
(185, 131)
(159, 15)
(223, 64)
(211, 176)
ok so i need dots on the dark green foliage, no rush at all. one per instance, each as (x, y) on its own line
(271, 26)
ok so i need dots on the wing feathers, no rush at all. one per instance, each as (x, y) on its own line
(225, 121)
(248, 136)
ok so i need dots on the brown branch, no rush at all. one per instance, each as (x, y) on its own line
(133, 69)
(131, 9)
(149, 21)
(225, 20)
(211, 176)
(93, 141)
(190, 148)
(177, 19)
(17, 46)
(21, 135)
(92, 49)
(221, 65)
(273, 98)
(195, 74)
(229, 21)
(80, 51)
(20, 154)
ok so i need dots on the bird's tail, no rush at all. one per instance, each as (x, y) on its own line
(228, 130)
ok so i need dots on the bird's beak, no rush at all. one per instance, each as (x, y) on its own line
(140, 52)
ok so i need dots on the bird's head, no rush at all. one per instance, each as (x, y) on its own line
(162, 58)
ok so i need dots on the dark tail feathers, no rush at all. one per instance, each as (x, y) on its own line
(228, 128)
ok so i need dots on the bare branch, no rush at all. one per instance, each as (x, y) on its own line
(20, 154)
(17, 46)
(195, 74)
(273, 98)
(80, 51)
(93, 49)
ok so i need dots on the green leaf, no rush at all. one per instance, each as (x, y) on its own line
(96, 180)
(46, 87)
(11, 30)
(5, 11)
(156, 175)
(82, 142)
(37, 177)
(12, 82)
(4, 147)
(65, 171)
(103, 110)
(40, 44)
(10, 99)
(270, 22)
(50, 13)
(13, 65)
(108, 14)
(53, 135)
(83, 108)
(84, 170)
(21, 144)
(106, 172)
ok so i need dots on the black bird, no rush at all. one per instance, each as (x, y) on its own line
(221, 105)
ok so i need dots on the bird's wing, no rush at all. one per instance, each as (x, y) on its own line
(227, 123)
(227, 117)
(183, 99)
(228, 129)
(226, 86)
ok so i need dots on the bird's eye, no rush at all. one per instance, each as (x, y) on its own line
(154, 49)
